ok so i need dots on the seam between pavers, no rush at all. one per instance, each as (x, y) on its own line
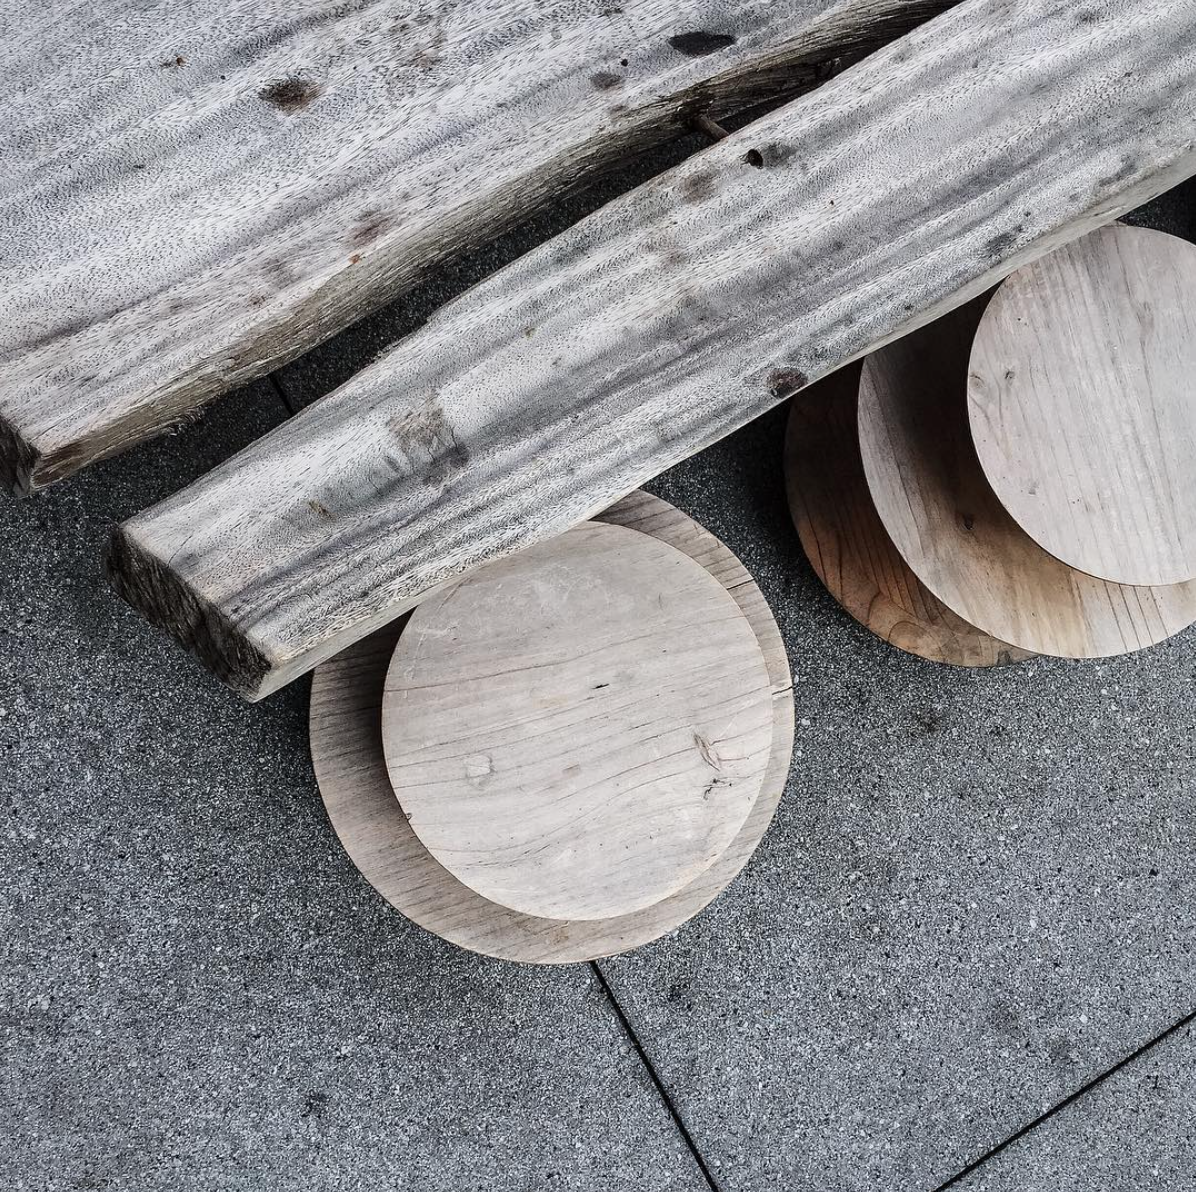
(1068, 1100)
(283, 396)
(654, 1076)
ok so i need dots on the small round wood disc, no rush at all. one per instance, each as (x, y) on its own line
(346, 705)
(940, 512)
(847, 544)
(576, 731)
(1082, 398)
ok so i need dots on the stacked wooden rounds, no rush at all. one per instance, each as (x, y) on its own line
(1050, 423)
(847, 541)
(1082, 400)
(569, 752)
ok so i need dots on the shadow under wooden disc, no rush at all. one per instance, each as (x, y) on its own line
(346, 709)
(940, 512)
(847, 543)
(578, 730)
(1083, 404)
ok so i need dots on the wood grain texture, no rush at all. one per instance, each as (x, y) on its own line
(579, 730)
(347, 752)
(942, 515)
(847, 543)
(895, 191)
(192, 194)
(1082, 401)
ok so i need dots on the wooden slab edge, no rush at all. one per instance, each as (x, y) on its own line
(677, 313)
(143, 343)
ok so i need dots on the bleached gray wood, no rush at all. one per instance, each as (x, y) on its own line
(192, 193)
(894, 192)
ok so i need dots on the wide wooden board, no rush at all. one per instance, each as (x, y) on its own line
(193, 193)
(895, 191)
(347, 751)
(1082, 400)
(942, 515)
(847, 543)
(579, 730)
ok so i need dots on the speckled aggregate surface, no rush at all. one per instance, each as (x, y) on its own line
(978, 896)
(1135, 1132)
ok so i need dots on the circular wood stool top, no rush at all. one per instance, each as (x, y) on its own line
(847, 544)
(942, 515)
(1082, 397)
(578, 730)
(346, 705)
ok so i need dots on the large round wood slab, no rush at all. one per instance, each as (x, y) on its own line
(578, 730)
(1082, 397)
(942, 515)
(346, 706)
(847, 543)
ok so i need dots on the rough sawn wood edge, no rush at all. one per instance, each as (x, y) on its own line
(37, 450)
(303, 589)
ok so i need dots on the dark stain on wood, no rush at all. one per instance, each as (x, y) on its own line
(697, 187)
(754, 158)
(172, 63)
(785, 382)
(1002, 242)
(429, 443)
(291, 94)
(279, 271)
(371, 225)
(699, 43)
(320, 508)
(604, 80)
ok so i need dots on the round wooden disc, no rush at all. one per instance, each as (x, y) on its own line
(346, 704)
(942, 515)
(1083, 404)
(576, 731)
(847, 544)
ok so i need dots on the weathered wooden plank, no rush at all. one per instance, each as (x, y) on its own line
(896, 191)
(191, 194)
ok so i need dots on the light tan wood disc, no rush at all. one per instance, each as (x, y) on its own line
(346, 706)
(847, 543)
(942, 515)
(578, 730)
(1082, 399)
